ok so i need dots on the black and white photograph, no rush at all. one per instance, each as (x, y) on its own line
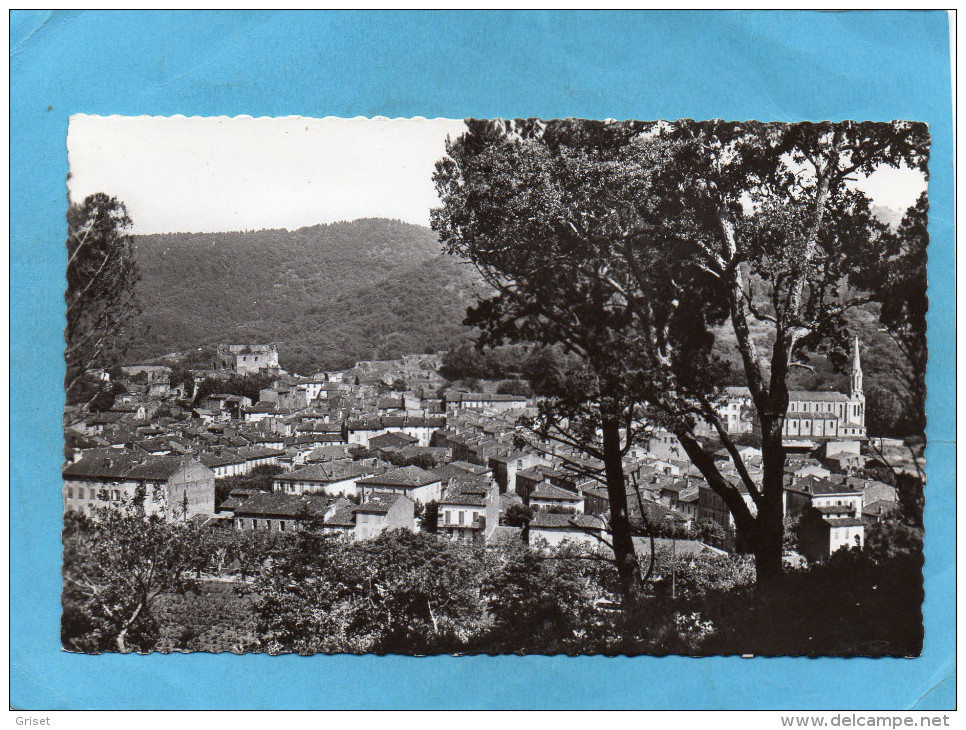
(494, 386)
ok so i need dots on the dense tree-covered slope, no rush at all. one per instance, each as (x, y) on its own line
(333, 294)
(327, 295)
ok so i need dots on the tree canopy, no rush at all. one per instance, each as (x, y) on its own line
(627, 244)
(102, 277)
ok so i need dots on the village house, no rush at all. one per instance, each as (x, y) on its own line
(458, 469)
(393, 440)
(469, 511)
(596, 500)
(383, 511)
(247, 359)
(130, 409)
(224, 464)
(333, 477)
(453, 400)
(359, 431)
(682, 496)
(228, 403)
(341, 519)
(588, 530)
(505, 467)
(664, 445)
(815, 492)
(279, 512)
(528, 480)
(286, 397)
(323, 454)
(878, 510)
(462, 516)
(175, 487)
(97, 423)
(713, 507)
(260, 411)
(547, 496)
(416, 483)
(827, 528)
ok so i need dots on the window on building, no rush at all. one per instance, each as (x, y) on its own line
(448, 517)
(70, 492)
(80, 492)
(281, 526)
(461, 517)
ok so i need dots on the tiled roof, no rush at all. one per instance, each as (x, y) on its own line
(379, 503)
(551, 520)
(259, 452)
(344, 514)
(277, 504)
(793, 395)
(404, 476)
(879, 507)
(816, 486)
(814, 415)
(843, 522)
(223, 458)
(456, 397)
(126, 465)
(550, 492)
(333, 471)
(663, 546)
(597, 492)
(816, 395)
(463, 498)
(393, 438)
(337, 452)
(262, 406)
(678, 485)
(377, 424)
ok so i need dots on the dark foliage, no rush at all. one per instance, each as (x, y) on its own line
(415, 593)
(246, 385)
(429, 519)
(260, 478)
(517, 515)
(327, 295)
(102, 278)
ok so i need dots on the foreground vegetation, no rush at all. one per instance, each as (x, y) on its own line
(136, 584)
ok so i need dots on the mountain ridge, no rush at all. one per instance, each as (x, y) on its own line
(333, 294)
(300, 289)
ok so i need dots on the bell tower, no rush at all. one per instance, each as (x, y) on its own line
(856, 387)
(856, 396)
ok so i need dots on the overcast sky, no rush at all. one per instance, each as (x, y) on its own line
(229, 174)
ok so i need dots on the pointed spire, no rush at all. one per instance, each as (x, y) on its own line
(855, 390)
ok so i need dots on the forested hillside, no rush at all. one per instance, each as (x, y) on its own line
(331, 295)
(327, 295)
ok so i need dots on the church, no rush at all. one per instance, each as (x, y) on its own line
(812, 414)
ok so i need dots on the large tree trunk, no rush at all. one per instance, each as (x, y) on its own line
(768, 543)
(628, 569)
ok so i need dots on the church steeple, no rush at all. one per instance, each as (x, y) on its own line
(856, 388)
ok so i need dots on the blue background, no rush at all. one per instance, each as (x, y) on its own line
(738, 65)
